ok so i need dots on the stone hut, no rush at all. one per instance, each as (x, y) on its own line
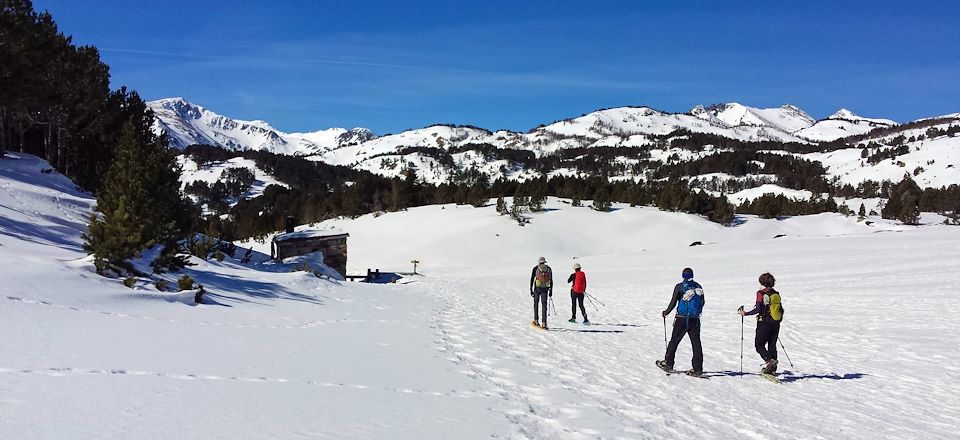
(331, 242)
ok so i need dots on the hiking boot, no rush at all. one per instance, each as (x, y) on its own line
(544, 326)
(586, 322)
(770, 367)
(695, 373)
(535, 323)
(573, 320)
(663, 366)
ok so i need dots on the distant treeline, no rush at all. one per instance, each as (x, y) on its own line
(319, 191)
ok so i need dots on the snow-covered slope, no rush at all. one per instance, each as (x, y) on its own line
(842, 124)
(210, 173)
(186, 123)
(787, 118)
(933, 161)
(278, 354)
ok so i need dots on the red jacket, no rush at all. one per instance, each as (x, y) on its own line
(579, 281)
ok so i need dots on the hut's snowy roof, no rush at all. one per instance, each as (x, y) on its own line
(311, 233)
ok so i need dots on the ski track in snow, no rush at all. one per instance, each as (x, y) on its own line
(68, 372)
(305, 325)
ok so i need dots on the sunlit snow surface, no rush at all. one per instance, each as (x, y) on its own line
(869, 325)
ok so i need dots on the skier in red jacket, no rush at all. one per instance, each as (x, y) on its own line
(579, 280)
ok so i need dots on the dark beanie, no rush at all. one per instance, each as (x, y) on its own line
(687, 273)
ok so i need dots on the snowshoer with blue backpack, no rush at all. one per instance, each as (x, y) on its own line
(769, 313)
(689, 300)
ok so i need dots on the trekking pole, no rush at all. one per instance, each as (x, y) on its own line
(664, 332)
(554, 306)
(785, 352)
(741, 344)
(594, 298)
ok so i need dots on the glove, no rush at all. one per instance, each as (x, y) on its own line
(550, 292)
(531, 293)
(664, 313)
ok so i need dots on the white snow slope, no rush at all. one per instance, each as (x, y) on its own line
(186, 123)
(278, 354)
(210, 173)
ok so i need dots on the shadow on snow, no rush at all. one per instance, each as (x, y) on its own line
(788, 376)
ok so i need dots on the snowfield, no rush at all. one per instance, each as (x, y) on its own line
(271, 353)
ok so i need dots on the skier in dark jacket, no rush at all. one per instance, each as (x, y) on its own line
(541, 286)
(769, 314)
(577, 292)
(689, 295)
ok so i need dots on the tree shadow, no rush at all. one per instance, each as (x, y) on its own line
(208, 300)
(62, 234)
(256, 289)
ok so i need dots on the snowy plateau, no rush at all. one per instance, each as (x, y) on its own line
(272, 352)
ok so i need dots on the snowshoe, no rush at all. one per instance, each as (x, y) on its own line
(770, 377)
(694, 373)
(534, 324)
(770, 367)
(667, 368)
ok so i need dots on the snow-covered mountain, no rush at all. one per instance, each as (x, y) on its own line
(438, 152)
(841, 124)
(787, 118)
(186, 123)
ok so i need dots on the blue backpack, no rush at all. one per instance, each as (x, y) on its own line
(691, 299)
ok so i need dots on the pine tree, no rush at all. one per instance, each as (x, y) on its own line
(904, 202)
(139, 203)
(862, 213)
(601, 200)
(502, 206)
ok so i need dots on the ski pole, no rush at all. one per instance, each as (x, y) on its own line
(785, 352)
(595, 298)
(592, 304)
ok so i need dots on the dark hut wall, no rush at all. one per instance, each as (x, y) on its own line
(334, 250)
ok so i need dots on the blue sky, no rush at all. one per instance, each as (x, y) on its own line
(393, 65)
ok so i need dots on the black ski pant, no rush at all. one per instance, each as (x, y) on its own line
(577, 298)
(540, 295)
(766, 340)
(691, 327)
